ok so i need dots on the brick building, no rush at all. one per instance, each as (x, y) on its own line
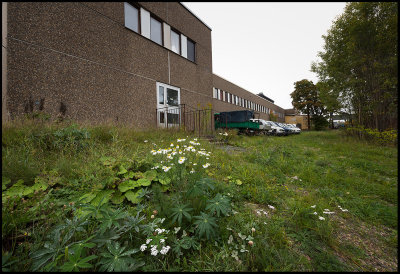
(112, 61)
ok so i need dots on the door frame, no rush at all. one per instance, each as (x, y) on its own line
(167, 108)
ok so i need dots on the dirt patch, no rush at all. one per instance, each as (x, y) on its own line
(260, 211)
(378, 256)
(231, 149)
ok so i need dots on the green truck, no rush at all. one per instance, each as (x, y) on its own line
(237, 120)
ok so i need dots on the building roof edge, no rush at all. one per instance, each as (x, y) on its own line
(194, 15)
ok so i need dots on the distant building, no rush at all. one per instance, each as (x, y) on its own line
(292, 116)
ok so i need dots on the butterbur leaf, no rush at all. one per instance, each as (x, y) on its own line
(127, 185)
(117, 198)
(144, 182)
(133, 197)
(150, 175)
(102, 197)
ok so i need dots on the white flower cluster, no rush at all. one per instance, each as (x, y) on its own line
(206, 165)
(166, 168)
(153, 248)
(181, 140)
(342, 209)
(225, 134)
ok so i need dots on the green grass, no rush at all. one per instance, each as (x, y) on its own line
(290, 173)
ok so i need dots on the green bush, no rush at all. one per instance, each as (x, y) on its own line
(387, 137)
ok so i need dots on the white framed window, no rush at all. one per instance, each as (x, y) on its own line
(215, 93)
(131, 17)
(223, 96)
(229, 97)
(175, 42)
(218, 94)
(156, 31)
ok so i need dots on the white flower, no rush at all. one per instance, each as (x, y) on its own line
(195, 164)
(171, 145)
(315, 213)
(162, 240)
(145, 141)
(328, 212)
(181, 160)
(271, 207)
(226, 134)
(321, 218)
(206, 165)
(154, 251)
(169, 156)
(176, 229)
(166, 168)
(313, 206)
(192, 171)
(258, 212)
(253, 229)
(181, 140)
(165, 249)
(230, 240)
(344, 210)
(143, 247)
(148, 241)
(152, 216)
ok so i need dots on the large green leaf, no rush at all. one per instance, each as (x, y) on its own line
(150, 175)
(144, 182)
(4, 182)
(164, 181)
(122, 170)
(133, 197)
(102, 197)
(16, 190)
(127, 185)
(87, 197)
(117, 198)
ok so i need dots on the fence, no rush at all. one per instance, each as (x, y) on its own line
(184, 117)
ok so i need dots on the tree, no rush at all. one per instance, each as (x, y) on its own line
(359, 62)
(330, 99)
(305, 97)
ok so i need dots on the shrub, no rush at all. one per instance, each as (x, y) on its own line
(387, 137)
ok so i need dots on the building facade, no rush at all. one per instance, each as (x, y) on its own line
(129, 62)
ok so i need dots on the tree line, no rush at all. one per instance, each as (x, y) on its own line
(357, 70)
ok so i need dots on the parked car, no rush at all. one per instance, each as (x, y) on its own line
(275, 129)
(264, 127)
(296, 129)
(287, 129)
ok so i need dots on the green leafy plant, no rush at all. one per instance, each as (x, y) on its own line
(75, 262)
(115, 259)
(206, 225)
(220, 204)
(179, 211)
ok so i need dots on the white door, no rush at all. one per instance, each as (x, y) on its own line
(168, 100)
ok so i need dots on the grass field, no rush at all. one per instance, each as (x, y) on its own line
(96, 198)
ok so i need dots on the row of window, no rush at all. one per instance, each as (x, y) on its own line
(236, 100)
(141, 21)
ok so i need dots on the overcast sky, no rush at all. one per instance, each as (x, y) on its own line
(266, 47)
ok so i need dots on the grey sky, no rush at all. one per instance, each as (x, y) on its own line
(266, 47)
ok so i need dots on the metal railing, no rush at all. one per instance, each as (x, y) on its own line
(184, 117)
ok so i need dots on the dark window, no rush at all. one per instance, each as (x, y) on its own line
(175, 42)
(131, 17)
(190, 50)
(155, 31)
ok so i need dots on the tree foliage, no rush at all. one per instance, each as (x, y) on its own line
(359, 62)
(306, 99)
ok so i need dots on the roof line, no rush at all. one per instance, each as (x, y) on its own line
(194, 15)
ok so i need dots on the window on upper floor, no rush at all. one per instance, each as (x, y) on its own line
(228, 95)
(131, 17)
(191, 53)
(215, 93)
(175, 42)
(156, 31)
